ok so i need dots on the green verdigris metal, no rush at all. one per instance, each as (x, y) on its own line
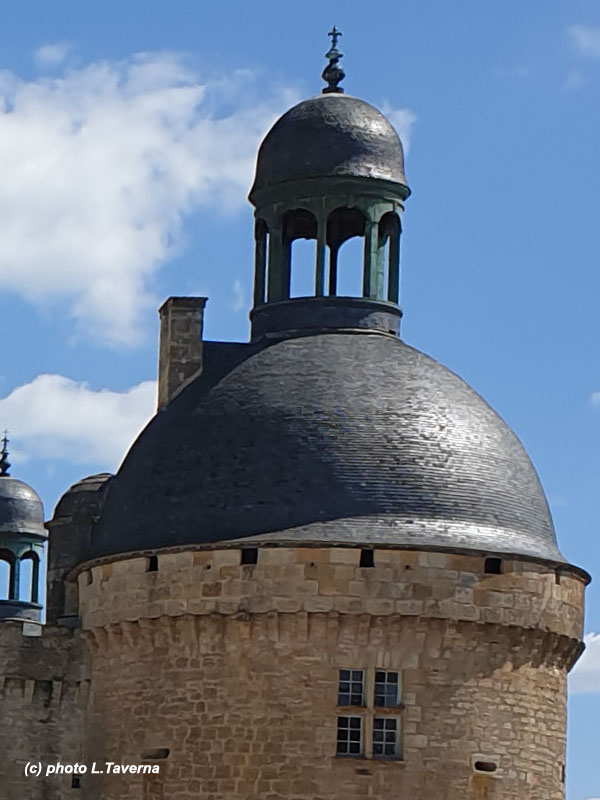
(320, 199)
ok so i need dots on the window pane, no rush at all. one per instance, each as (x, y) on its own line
(385, 737)
(386, 689)
(350, 688)
(349, 736)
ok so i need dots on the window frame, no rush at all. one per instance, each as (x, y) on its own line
(368, 713)
(351, 681)
(386, 720)
(386, 682)
(348, 742)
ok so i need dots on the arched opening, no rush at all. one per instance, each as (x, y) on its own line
(389, 254)
(303, 259)
(299, 253)
(350, 268)
(28, 577)
(25, 579)
(344, 236)
(7, 575)
(4, 579)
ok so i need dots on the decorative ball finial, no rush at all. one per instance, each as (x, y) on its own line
(333, 74)
(4, 462)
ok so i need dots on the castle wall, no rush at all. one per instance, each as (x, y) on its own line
(233, 670)
(45, 684)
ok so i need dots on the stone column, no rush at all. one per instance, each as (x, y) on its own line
(260, 261)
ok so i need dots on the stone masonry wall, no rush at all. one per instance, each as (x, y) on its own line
(233, 669)
(288, 579)
(44, 685)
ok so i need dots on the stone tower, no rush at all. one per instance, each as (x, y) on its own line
(327, 568)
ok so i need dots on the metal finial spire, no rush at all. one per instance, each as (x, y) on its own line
(333, 74)
(4, 462)
(335, 35)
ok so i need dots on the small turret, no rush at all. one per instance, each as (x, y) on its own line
(22, 537)
(329, 170)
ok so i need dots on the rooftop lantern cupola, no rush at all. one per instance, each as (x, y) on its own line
(330, 169)
(22, 537)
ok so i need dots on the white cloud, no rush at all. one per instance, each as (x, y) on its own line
(586, 39)
(99, 167)
(585, 677)
(595, 399)
(51, 55)
(403, 120)
(55, 417)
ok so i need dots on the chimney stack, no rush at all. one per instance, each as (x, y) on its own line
(180, 352)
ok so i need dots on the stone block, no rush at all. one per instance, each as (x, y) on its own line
(410, 607)
(500, 599)
(318, 603)
(416, 740)
(277, 556)
(345, 555)
(379, 607)
(229, 557)
(463, 594)
(308, 555)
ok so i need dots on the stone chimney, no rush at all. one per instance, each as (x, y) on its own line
(180, 352)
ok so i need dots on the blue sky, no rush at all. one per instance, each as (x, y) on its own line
(127, 140)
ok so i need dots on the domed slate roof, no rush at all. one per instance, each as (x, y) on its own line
(21, 510)
(84, 497)
(334, 438)
(330, 135)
